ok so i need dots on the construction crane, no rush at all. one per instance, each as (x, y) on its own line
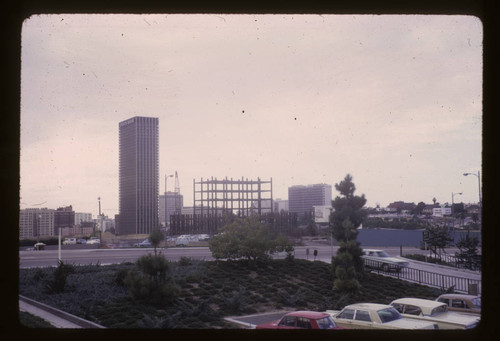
(177, 195)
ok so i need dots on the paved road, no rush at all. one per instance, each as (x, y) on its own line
(45, 258)
(113, 256)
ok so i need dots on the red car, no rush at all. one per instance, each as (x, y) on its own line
(302, 320)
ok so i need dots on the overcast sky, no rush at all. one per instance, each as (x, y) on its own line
(395, 101)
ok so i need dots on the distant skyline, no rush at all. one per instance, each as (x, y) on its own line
(393, 100)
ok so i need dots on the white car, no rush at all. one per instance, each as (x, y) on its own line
(93, 240)
(69, 241)
(375, 316)
(380, 259)
(433, 311)
(144, 243)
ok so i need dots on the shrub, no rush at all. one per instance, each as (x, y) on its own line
(120, 276)
(236, 301)
(185, 261)
(58, 281)
(149, 282)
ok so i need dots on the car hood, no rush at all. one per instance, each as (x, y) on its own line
(404, 323)
(268, 325)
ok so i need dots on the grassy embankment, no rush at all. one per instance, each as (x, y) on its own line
(209, 291)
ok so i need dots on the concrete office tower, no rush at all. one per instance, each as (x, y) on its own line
(139, 172)
(301, 199)
(167, 208)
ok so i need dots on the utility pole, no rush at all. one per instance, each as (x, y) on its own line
(177, 194)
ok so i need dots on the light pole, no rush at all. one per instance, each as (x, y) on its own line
(478, 176)
(452, 194)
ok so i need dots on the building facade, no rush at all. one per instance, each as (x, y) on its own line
(139, 175)
(82, 217)
(103, 223)
(322, 214)
(301, 199)
(280, 205)
(441, 211)
(167, 206)
(64, 217)
(36, 222)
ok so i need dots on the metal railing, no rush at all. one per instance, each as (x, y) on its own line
(457, 262)
(433, 279)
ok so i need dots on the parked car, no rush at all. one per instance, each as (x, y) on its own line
(81, 241)
(435, 312)
(380, 259)
(39, 246)
(462, 303)
(69, 241)
(93, 240)
(375, 316)
(144, 243)
(182, 241)
(203, 237)
(302, 320)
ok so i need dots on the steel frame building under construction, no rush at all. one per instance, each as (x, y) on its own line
(240, 197)
(218, 202)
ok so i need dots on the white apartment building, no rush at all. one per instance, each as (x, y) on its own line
(441, 211)
(79, 217)
(36, 222)
(280, 205)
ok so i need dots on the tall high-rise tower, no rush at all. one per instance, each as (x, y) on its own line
(139, 175)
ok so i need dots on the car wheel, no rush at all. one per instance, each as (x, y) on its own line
(385, 267)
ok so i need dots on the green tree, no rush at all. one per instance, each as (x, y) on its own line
(468, 253)
(347, 215)
(417, 210)
(437, 238)
(247, 238)
(156, 238)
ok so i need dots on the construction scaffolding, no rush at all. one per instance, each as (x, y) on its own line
(220, 202)
(240, 197)
(281, 223)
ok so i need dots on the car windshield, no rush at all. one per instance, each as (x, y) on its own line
(326, 323)
(477, 302)
(382, 254)
(388, 315)
(439, 310)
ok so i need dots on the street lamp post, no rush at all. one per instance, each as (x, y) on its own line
(452, 204)
(478, 176)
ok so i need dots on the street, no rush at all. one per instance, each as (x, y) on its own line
(45, 258)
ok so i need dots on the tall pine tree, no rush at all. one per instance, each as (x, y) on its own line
(347, 215)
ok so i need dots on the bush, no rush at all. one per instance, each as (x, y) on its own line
(149, 282)
(185, 261)
(58, 281)
(236, 302)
